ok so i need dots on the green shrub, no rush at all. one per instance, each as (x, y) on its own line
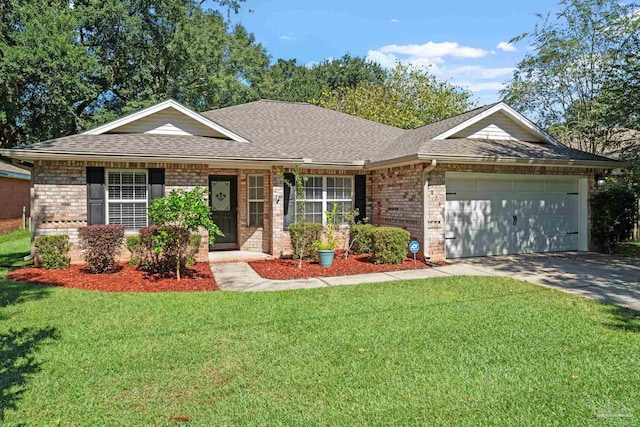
(161, 259)
(53, 251)
(389, 245)
(303, 235)
(194, 248)
(133, 245)
(101, 244)
(613, 213)
(360, 235)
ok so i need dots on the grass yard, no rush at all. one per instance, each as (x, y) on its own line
(453, 351)
(629, 249)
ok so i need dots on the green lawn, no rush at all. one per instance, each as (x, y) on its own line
(454, 351)
(629, 249)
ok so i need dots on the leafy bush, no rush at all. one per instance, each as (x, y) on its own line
(53, 251)
(360, 235)
(613, 213)
(194, 248)
(101, 244)
(156, 259)
(133, 245)
(303, 235)
(179, 214)
(389, 245)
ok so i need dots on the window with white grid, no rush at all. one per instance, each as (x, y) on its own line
(340, 192)
(256, 200)
(321, 192)
(127, 198)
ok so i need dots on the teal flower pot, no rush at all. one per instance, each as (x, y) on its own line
(326, 258)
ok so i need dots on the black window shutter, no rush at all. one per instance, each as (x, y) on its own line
(156, 184)
(95, 196)
(361, 196)
(289, 200)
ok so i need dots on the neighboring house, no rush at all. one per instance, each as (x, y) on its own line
(484, 182)
(15, 194)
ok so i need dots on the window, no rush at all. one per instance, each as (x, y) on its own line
(127, 199)
(256, 200)
(321, 192)
(339, 191)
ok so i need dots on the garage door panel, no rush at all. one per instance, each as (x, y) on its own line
(482, 221)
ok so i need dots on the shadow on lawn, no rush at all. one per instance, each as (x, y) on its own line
(12, 293)
(623, 319)
(17, 362)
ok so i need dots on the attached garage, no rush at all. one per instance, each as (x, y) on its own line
(499, 214)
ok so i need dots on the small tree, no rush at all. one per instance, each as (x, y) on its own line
(177, 215)
(298, 188)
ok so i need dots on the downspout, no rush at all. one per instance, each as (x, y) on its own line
(425, 208)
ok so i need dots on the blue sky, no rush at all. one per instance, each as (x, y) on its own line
(463, 41)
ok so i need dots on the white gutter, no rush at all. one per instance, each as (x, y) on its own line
(425, 208)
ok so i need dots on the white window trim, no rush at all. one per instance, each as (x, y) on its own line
(106, 196)
(325, 201)
(250, 200)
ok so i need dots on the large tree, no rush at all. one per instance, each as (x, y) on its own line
(65, 66)
(567, 81)
(286, 80)
(407, 97)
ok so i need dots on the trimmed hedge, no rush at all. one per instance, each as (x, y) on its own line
(303, 235)
(613, 213)
(101, 244)
(360, 236)
(53, 251)
(389, 245)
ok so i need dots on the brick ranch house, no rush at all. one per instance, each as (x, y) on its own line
(15, 194)
(484, 182)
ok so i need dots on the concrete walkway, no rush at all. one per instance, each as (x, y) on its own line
(239, 276)
(610, 279)
(607, 278)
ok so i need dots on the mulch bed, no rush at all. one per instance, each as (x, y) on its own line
(126, 279)
(283, 269)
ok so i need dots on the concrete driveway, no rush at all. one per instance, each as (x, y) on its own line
(611, 279)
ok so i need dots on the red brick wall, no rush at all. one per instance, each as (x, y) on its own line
(14, 193)
(60, 203)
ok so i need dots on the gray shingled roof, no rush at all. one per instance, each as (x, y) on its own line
(409, 142)
(295, 131)
(466, 147)
(152, 145)
(306, 130)
(7, 169)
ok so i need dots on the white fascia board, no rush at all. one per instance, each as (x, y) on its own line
(159, 107)
(517, 117)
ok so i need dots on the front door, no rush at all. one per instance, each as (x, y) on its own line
(223, 199)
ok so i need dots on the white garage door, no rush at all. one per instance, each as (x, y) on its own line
(506, 214)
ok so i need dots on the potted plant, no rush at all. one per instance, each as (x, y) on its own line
(327, 248)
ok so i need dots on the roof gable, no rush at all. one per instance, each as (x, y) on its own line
(167, 118)
(500, 122)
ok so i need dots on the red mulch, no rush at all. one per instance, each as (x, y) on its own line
(283, 269)
(126, 279)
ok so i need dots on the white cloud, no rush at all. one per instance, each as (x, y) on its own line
(434, 52)
(394, 20)
(506, 47)
(529, 48)
(479, 72)
(287, 38)
(481, 86)
(449, 61)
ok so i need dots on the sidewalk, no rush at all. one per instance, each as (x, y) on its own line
(239, 276)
